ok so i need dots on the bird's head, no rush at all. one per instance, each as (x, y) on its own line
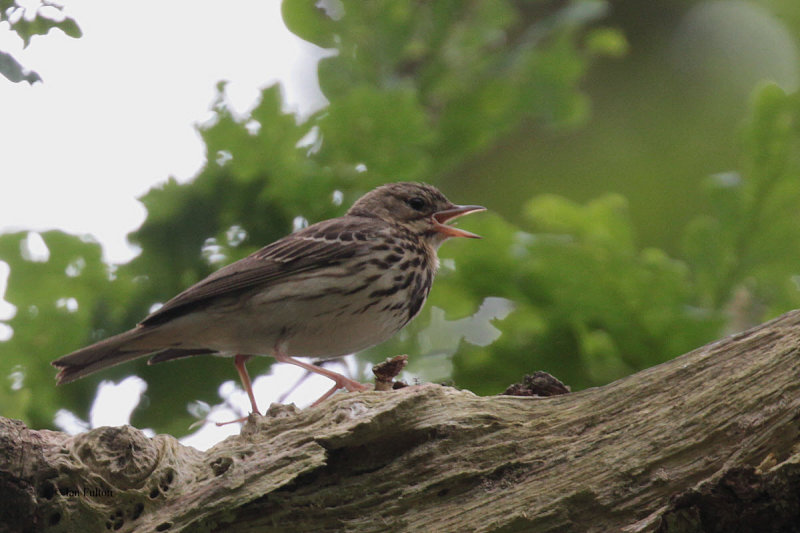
(418, 207)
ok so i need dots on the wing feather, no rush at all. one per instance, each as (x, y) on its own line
(310, 249)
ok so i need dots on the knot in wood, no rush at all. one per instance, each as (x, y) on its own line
(123, 456)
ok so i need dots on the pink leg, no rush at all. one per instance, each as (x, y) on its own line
(325, 396)
(341, 382)
(240, 360)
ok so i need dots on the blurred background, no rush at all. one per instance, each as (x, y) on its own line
(639, 161)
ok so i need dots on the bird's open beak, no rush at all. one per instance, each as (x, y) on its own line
(441, 217)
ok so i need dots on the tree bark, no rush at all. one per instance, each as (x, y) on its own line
(705, 442)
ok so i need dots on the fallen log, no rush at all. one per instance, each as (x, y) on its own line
(709, 441)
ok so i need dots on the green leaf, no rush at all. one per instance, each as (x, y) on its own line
(11, 69)
(748, 247)
(310, 22)
(587, 301)
(26, 27)
(41, 25)
(62, 303)
(609, 42)
(386, 131)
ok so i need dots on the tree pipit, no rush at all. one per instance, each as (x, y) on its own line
(333, 288)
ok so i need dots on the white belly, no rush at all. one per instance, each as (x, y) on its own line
(290, 318)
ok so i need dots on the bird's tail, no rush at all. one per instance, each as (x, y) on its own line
(108, 352)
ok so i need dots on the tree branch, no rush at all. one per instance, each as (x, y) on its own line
(704, 441)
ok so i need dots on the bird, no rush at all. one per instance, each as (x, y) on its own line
(330, 289)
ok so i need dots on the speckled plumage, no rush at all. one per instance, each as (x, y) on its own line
(333, 288)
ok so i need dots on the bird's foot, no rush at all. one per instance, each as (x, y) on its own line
(342, 382)
(238, 420)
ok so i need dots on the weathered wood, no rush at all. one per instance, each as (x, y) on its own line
(707, 440)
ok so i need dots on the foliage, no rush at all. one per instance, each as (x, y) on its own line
(751, 240)
(419, 91)
(595, 306)
(64, 296)
(26, 23)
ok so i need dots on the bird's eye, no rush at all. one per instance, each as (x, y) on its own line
(416, 203)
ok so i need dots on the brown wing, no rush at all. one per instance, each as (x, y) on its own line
(324, 244)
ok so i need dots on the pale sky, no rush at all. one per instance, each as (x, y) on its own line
(117, 110)
(116, 114)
